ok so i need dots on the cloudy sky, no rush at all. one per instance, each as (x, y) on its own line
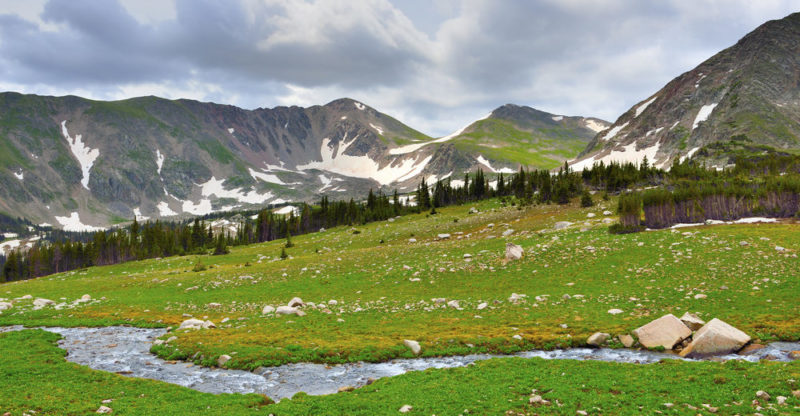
(434, 64)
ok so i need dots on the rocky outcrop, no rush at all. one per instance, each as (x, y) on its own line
(513, 252)
(664, 332)
(714, 338)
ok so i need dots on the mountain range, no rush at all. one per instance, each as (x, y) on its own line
(78, 164)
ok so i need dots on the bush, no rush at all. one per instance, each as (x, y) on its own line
(199, 266)
(586, 199)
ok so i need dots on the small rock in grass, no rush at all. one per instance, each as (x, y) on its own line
(345, 388)
(453, 304)
(268, 309)
(762, 395)
(796, 394)
(615, 311)
(626, 340)
(795, 355)
(700, 296)
(598, 339)
(40, 303)
(214, 305)
(223, 359)
(482, 306)
(289, 310)
(296, 303)
(581, 413)
(413, 346)
(104, 409)
(5, 305)
(514, 252)
(517, 337)
(781, 400)
(405, 409)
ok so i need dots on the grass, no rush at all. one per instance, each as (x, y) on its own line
(379, 303)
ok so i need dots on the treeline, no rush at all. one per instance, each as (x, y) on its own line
(700, 201)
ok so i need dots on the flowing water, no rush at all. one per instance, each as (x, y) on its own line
(126, 350)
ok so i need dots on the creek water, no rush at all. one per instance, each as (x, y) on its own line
(126, 350)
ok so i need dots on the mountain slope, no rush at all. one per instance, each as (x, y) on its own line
(77, 163)
(749, 92)
(515, 135)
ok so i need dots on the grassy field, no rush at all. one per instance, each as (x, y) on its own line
(384, 288)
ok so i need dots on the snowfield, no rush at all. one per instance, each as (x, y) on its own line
(85, 155)
(266, 177)
(613, 132)
(628, 154)
(594, 126)
(488, 165)
(215, 187)
(73, 223)
(703, 114)
(640, 109)
(164, 210)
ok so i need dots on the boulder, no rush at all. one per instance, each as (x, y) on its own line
(715, 337)
(598, 339)
(692, 321)
(289, 310)
(453, 304)
(517, 297)
(513, 251)
(443, 236)
(268, 309)
(223, 359)
(412, 240)
(473, 210)
(5, 305)
(615, 311)
(192, 324)
(482, 306)
(405, 409)
(607, 213)
(561, 225)
(40, 303)
(413, 346)
(296, 303)
(213, 305)
(626, 340)
(591, 215)
(795, 355)
(663, 332)
(104, 410)
(508, 232)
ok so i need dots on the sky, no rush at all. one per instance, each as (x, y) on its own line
(435, 65)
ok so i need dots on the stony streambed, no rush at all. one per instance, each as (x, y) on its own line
(126, 350)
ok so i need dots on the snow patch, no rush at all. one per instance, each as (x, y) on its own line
(164, 210)
(19, 175)
(379, 129)
(359, 105)
(288, 210)
(231, 130)
(674, 125)
(159, 161)
(73, 223)
(594, 125)
(10, 235)
(215, 187)
(326, 182)
(138, 215)
(85, 155)
(9, 245)
(45, 224)
(557, 118)
(629, 154)
(613, 132)
(488, 165)
(703, 114)
(363, 166)
(266, 177)
(642, 107)
(689, 154)
(344, 118)
(201, 208)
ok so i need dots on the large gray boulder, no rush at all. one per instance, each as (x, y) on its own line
(514, 252)
(5, 305)
(665, 331)
(561, 225)
(413, 346)
(598, 339)
(715, 337)
(40, 303)
(289, 310)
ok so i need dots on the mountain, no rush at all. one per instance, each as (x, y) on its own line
(743, 99)
(77, 163)
(519, 135)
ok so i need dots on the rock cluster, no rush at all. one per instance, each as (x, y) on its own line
(689, 336)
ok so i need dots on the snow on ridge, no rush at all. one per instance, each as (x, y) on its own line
(378, 128)
(73, 223)
(594, 126)
(164, 210)
(628, 154)
(266, 177)
(85, 155)
(214, 187)
(613, 132)
(689, 154)
(640, 109)
(159, 161)
(231, 130)
(486, 163)
(413, 147)
(138, 215)
(703, 114)
(326, 182)
(557, 118)
(19, 175)
(364, 166)
(359, 105)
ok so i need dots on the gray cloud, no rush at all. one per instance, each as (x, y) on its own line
(435, 69)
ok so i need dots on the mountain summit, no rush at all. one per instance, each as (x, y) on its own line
(746, 96)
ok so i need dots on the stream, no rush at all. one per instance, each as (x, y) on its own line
(126, 351)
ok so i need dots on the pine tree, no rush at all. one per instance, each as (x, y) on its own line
(284, 256)
(586, 199)
(289, 243)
